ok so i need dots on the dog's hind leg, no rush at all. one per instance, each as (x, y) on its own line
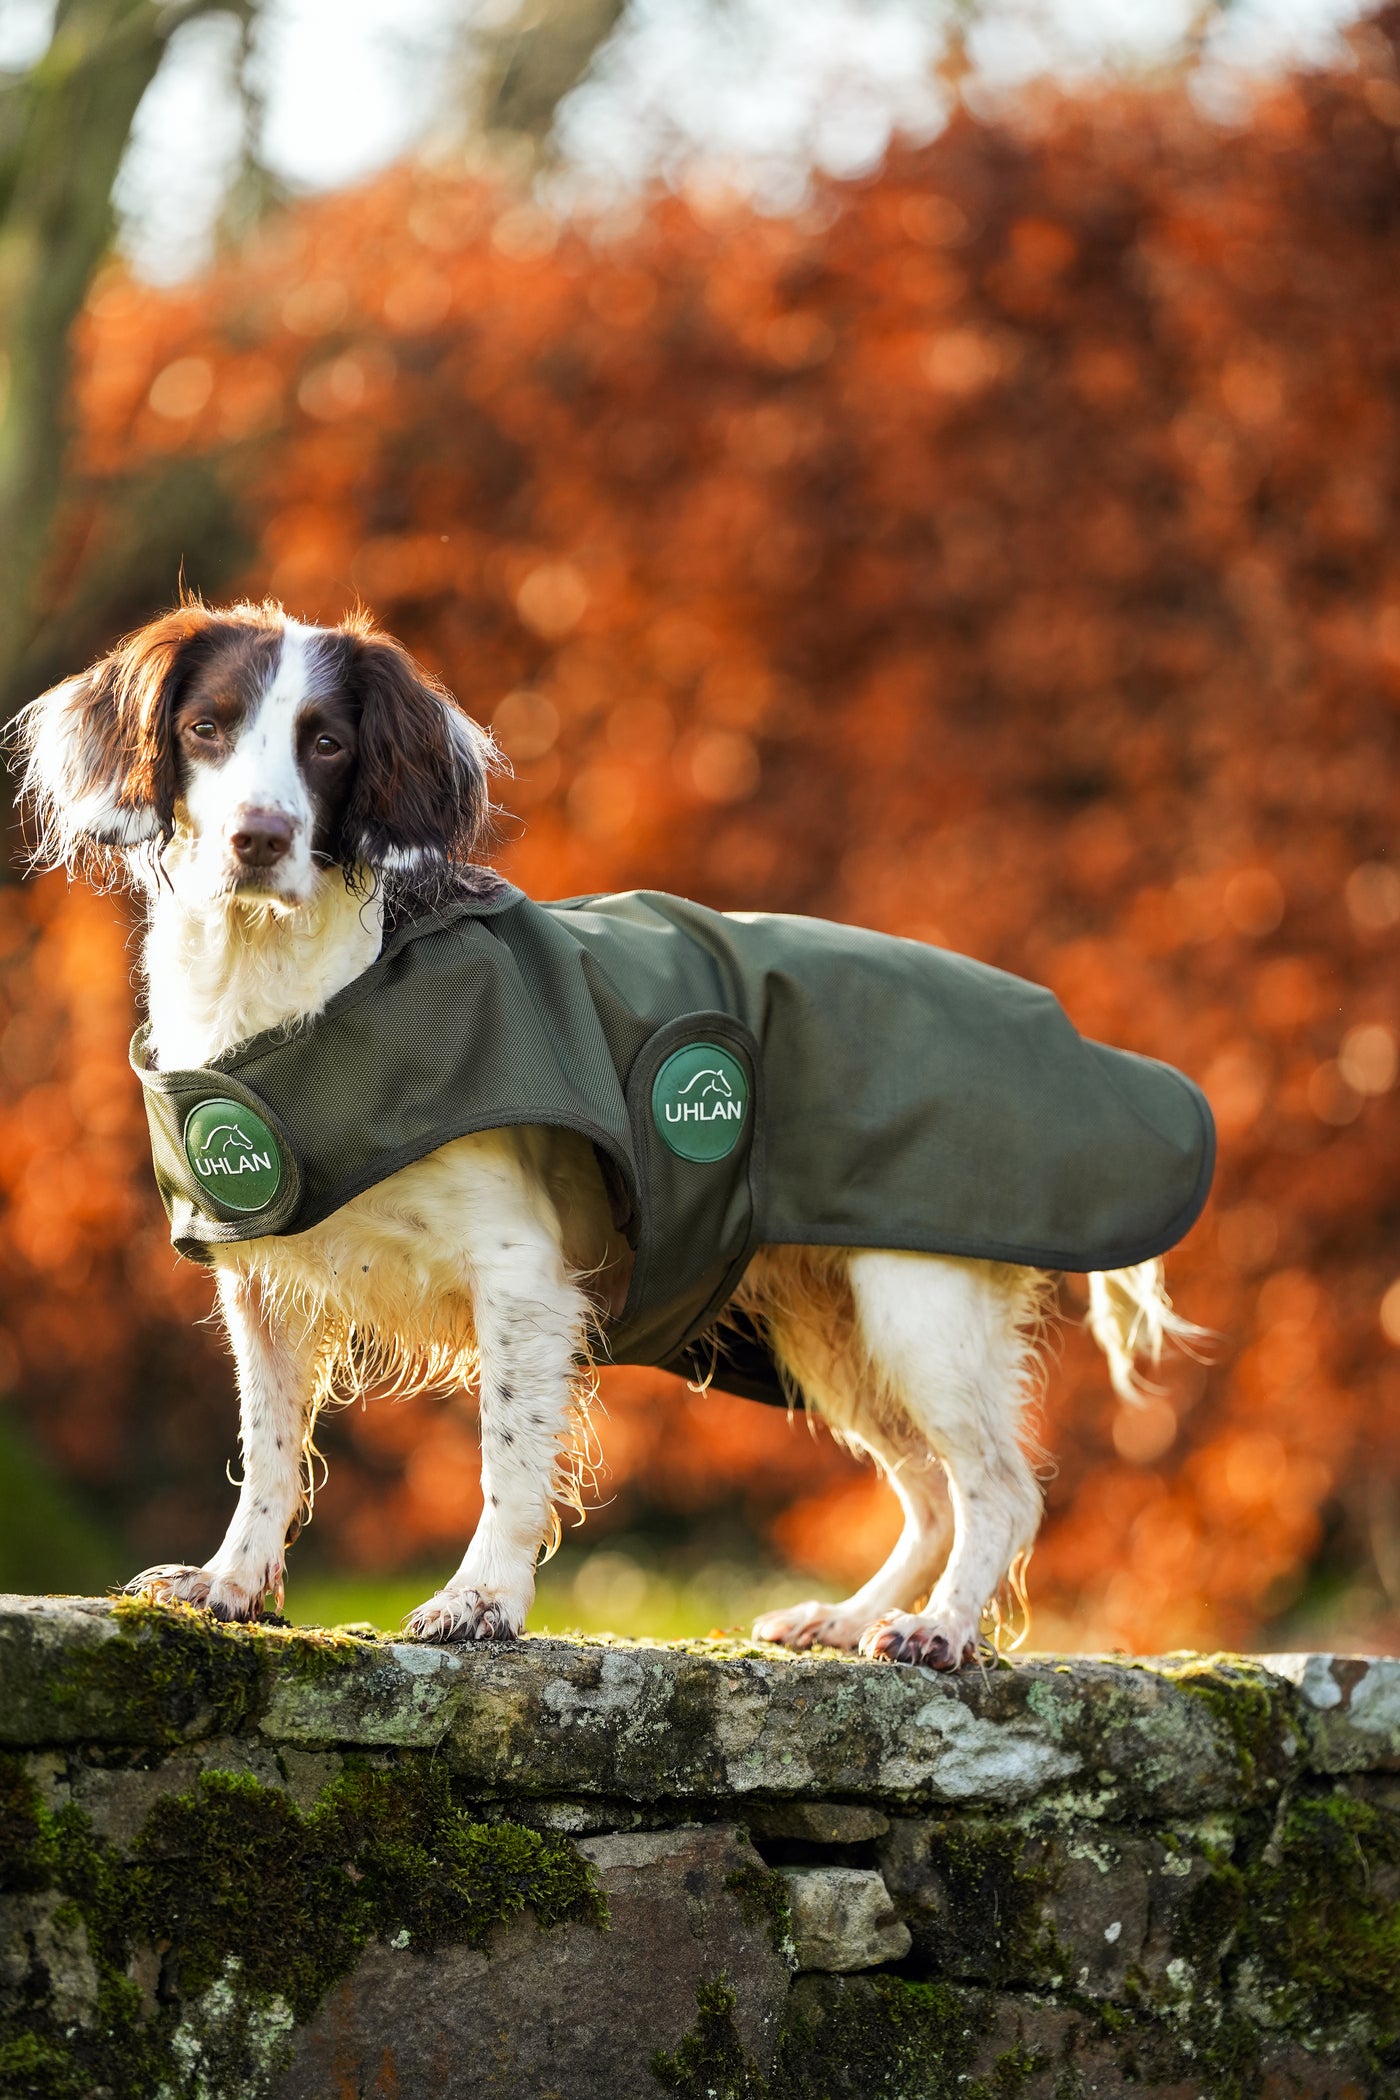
(276, 1358)
(808, 1315)
(911, 1569)
(956, 1342)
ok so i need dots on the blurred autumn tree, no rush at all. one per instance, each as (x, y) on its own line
(1002, 553)
(65, 124)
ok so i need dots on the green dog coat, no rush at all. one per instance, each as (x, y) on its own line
(744, 1079)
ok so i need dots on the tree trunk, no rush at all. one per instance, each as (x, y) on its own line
(63, 130)
(530, 63)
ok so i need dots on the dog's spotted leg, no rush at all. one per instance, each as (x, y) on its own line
(275, 1381)
(531, 1324)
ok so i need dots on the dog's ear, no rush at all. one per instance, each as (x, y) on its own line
(97, 752)
(421, 792)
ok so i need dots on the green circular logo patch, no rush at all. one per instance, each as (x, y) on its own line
(700, 1102)
(234, 1155)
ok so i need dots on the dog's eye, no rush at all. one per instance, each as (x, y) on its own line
(326, 747)
(205, 730)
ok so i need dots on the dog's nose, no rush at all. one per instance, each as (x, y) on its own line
(262, 838)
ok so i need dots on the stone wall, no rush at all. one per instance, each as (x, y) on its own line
(259, 1864)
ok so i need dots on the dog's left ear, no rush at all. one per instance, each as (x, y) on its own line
(422, 778)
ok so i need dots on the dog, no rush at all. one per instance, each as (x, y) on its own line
(279, 794)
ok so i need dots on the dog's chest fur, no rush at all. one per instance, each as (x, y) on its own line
(393, 1272)
(390, 1264)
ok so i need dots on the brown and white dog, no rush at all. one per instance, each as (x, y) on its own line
(273, 789)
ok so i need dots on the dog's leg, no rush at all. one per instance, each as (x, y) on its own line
(807, 1311)
(275, 1359)
(956, 1342)
(920, 1551)
(531, 1328)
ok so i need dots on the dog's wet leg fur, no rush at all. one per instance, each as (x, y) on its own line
(531, 1324)
(911, 1568)
(957, 1341)
(805, 1304)
(276, 1356)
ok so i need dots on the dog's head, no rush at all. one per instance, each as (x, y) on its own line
(248, 757)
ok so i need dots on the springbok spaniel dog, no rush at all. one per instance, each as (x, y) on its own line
(279, 794)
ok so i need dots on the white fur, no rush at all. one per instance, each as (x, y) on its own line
(491, 1258)
(260, 773)
(221, 971)
(1130, 1315)
(61, 783)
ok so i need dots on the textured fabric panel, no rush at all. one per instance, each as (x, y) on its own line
(899, 1096)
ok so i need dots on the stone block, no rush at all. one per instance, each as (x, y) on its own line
(1351, 1708)
(118, 1797)
(87, 1670)
(1043, 2051)
(817, 1822)
(574, 2011)
(853, 2037)
(700, 1722)
(842, 1919)
(1084, 1907)
(44, 1959)
(306, 1772)
(649, 1723)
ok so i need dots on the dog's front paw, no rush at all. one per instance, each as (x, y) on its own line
(809, 1625)
(225, 1598)
(920, 1637)
(466, 1615)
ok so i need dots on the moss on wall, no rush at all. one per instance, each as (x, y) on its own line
(1271, 1927)
(881, 2038)
(992, 1922)
(1119, 1878)
(711, 2063)
(763, 1899)
(171, 1669)
(1258, 1712)
(1298, 1932)
(245, 1910)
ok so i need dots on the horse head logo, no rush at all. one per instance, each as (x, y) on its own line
(715, 1083)
(225, 1138)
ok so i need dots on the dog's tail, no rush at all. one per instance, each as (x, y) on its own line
(1131, 1318)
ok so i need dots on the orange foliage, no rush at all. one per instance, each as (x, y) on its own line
(1002, 555)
